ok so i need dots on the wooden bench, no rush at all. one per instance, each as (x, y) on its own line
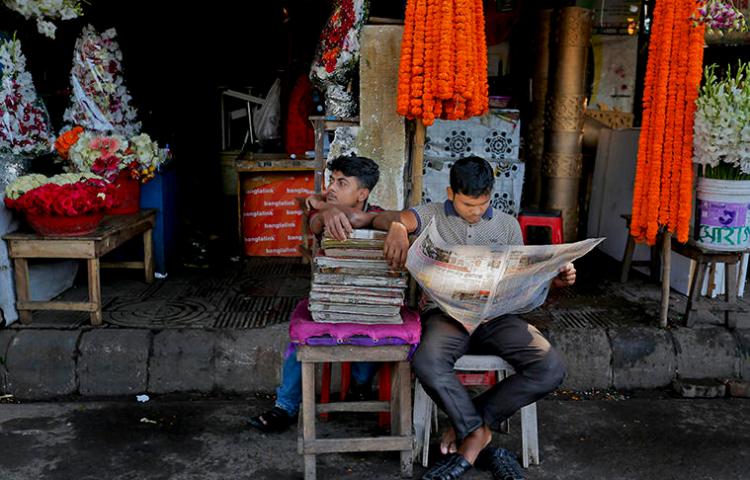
(401, 437)
(113, 232)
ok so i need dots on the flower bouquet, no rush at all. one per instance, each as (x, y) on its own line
(66, 205)
(722, 152)
(43, 10)
(722, 125)
(720, 16)
(125, 163)
(24, 127)
(100, 101)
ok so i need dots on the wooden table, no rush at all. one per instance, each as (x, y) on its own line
(113, 232)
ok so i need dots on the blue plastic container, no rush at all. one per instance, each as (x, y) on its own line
(161, 193)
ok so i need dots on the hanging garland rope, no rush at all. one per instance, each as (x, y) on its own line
(443, 68)
(663, 192)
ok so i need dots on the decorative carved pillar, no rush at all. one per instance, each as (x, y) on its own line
(535, 132)
(566, 105)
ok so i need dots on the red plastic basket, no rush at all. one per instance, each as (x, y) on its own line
(127, 195)
(61, 226)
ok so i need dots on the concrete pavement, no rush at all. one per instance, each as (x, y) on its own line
(649, 436)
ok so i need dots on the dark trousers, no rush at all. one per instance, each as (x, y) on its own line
(539, 368)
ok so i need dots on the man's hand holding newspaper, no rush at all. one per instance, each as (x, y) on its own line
(474, 284)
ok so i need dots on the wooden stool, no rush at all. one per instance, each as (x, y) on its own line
(654, 264)
(425, 412)
(401, 437)
(735, 314)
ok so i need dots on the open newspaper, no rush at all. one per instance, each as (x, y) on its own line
(474, 284)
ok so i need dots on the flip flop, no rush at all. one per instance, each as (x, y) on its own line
(272, 421)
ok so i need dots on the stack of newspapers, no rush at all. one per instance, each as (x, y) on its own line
(353, 283)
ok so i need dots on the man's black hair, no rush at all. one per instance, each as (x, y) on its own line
(365, 170)
(472, 176)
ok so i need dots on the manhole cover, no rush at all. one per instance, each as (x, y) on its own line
(164, 313)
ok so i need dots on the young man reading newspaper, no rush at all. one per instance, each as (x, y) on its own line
(344, 206)
(467, 218)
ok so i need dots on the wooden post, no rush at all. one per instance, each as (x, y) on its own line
(95, 292)
(666, 274)
(417, 163)
(23, 293)
(148, 255)
(320, 161)
(308, 416)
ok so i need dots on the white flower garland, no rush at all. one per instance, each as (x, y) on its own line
(44, 10)
(24, 129)
(100, 101)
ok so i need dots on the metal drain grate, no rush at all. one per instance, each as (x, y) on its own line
(583, 317)
(255, 312)
(264, 266)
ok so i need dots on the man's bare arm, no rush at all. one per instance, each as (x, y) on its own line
(339, 220)
(399, 225)
(407, 218)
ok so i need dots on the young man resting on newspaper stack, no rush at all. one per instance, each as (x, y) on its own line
(344, 207)
(467, 218)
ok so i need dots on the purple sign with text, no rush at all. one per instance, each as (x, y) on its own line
(722, 214)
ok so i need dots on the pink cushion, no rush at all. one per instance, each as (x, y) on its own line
(302, 327)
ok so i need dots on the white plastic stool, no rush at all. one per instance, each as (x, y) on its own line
(425, 413)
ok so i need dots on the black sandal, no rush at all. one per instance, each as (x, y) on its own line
(272, 421)
(449, 468)
(502, 463)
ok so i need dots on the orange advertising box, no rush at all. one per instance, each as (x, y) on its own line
(271, 216)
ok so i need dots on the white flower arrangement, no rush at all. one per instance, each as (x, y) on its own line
(29, 182)
(109, 155)
(24, 127)
(722, 124)
(100, 101)
(45, 10)
(146, 152)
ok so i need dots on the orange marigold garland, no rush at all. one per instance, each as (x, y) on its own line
(443, 68)
(405, 63)
(693, 77)
(662, 195)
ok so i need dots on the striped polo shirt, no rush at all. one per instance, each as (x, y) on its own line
(494, 228)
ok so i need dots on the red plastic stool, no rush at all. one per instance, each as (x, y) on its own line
(477, 379)
(384, 388)
(551, 219)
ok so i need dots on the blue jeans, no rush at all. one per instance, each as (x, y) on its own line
(289, 393)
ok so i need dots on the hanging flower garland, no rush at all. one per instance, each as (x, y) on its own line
(443, 67)
(663, 191)
(24, 126)
(100, 101)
